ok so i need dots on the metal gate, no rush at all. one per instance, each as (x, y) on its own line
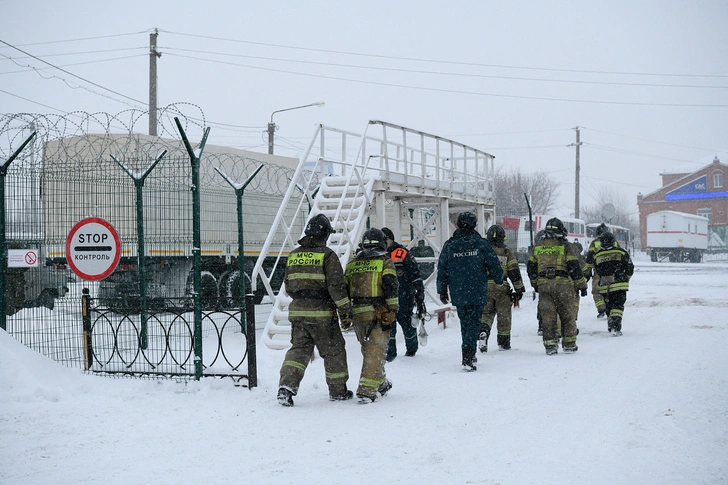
(176, 305)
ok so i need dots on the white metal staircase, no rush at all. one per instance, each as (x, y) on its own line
(392, 176)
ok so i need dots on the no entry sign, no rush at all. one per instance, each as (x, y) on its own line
(93, 249)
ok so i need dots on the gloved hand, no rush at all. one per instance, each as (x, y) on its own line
(421, 309)
(516, 296)
(583, 291)
(535, 288)
(346, 321)
(444, 299)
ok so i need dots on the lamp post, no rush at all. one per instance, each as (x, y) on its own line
(272, 126)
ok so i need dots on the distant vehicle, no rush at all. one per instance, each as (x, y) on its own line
(575, 228)
(676, 236)
(621, 234)
(44, 284)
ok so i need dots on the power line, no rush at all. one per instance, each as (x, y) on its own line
(629, 152)
(89, 52)
(74, 75)
(31, 101)
(440, 73)
(527, 148)
(512, 132)
(652, 141)
(84, 38)
(454, 91)
(399, 58)
(31, 68)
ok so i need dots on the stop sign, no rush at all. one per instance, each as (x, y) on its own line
(93, 249)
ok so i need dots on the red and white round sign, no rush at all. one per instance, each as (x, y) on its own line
(93, 249)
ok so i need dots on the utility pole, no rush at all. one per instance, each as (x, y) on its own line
(153, 54)
(576, 173)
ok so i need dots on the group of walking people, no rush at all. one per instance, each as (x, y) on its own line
(382, 285)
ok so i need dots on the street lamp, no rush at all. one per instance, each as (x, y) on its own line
(272, 126)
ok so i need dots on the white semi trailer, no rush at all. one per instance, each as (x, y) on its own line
(676, 236)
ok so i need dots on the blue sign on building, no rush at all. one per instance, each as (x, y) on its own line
(695, 189)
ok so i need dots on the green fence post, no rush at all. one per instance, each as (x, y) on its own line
(139, 185)
(3, 247)
(196, 241)
(247, 327)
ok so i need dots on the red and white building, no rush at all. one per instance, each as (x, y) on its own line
(703, 192)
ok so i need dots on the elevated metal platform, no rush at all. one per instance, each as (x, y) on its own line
(413, 182)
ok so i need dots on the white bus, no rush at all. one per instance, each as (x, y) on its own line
(621, 234)
(575, 228)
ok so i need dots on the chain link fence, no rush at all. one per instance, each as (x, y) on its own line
(139, 320)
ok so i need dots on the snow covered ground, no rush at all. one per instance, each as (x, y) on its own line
(650, 407)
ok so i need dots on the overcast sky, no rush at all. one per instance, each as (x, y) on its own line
(647, 81)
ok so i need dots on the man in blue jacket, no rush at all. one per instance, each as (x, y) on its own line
(465, 262)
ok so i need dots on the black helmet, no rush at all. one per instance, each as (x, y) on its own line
(467, 220)
(374, 239)
(607, 240)
(496, 235)
(319, 226)
(388, 234)
(555, 228)
(601, 229)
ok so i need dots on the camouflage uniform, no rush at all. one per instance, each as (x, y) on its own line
(554, 271)
(315, 280)
(500, 300)
(373, 288)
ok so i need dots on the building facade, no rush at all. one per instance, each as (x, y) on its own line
(703, 192)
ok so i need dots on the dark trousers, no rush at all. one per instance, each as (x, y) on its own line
(469, 326)
(404, 317)
(615, 303)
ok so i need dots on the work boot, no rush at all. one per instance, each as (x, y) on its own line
(285, 397)
(552, 350)
(385, 387)
(614, 325)
(341, 397)
(601, 313)
(504, 342)
(469, 361)
(570, 349)
(365, 399)
(483, 338)
(410, 353)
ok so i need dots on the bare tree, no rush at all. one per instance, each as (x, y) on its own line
(605, 196)
(510, 186)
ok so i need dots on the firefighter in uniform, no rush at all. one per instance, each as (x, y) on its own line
(593, 248)
(577, 297)
(465, 262)
(372, 283)
(500, 297)
(554, 271)
(411, 291)
(314, 279)
(615, 268)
